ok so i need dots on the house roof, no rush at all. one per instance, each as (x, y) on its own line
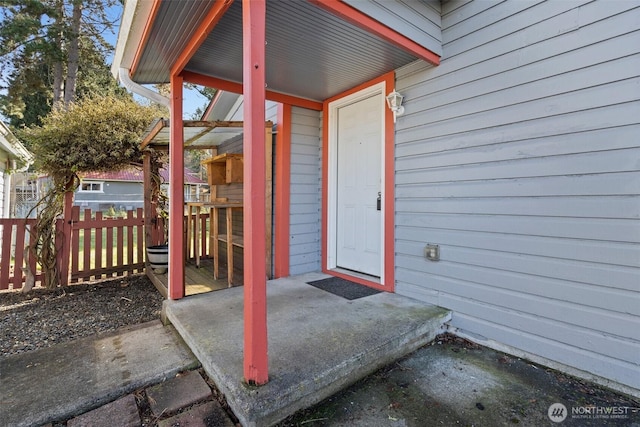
(11, 145)
(136, 175)
(221, 105)
(312, 53)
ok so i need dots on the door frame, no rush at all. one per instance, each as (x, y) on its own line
(382, 85)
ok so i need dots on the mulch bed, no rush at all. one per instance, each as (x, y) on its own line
(42, 318)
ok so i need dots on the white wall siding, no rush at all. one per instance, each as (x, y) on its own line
(518, 155)
(305, 191)
(4, 196)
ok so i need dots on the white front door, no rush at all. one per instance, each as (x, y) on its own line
(358, 222)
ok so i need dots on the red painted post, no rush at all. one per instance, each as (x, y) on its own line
(176, 193)
(149, 211)
(255, 285)
(283, 191)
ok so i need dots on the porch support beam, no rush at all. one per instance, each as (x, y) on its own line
(255, 283)
(145, 35)
(283, 191)
(367, 23)
(150, 217)
(229, 86)
(206, 26)
(176, 192)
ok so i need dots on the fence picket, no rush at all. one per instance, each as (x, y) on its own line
(98, 235)
(19, 257)
(120, 246)
(86, 247)
(98, 244)
(75, 243)
(109, 246)
(130, 240)
(140, 234)
(7, 229)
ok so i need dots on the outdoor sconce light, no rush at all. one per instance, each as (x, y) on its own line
(394, 101)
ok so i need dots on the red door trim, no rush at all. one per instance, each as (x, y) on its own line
(389, 185)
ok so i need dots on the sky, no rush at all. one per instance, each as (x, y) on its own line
(192, 99)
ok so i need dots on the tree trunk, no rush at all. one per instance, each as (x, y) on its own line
(58, 73)
(73, 54)
(30, 279)
(57, 83)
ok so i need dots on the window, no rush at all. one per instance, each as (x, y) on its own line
(88, 186)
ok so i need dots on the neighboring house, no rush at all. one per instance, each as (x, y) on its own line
(509, 186)
(122, 190)
(13, 157)
(25, 194)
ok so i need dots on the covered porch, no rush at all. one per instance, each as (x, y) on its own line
(331, 51)
(319, 342)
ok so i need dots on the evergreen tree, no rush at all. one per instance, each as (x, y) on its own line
(52, 52)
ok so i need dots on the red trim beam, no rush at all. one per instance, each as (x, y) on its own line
(367, 23)
(229, 86)
(145, 35)
(208, 23)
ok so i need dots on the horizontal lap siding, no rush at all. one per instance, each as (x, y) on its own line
(417, 20)
(305, 192)
(518, 155)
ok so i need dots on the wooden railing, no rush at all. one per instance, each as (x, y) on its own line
(99, 247)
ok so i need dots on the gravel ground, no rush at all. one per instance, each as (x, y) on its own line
(43, 317)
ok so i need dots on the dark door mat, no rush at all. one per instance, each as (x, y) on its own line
(344, 288)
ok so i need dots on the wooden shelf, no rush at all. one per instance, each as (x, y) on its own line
(224, 169)
(235, 241)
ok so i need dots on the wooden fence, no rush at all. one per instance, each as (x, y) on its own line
(99, 247)
(14, 236)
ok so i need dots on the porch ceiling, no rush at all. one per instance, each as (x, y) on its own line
(311, 53)
(198, 135)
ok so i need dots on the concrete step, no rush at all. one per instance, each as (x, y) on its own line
(319, 343)
(74, 377)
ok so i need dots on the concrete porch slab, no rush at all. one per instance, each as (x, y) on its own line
(318, 342)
